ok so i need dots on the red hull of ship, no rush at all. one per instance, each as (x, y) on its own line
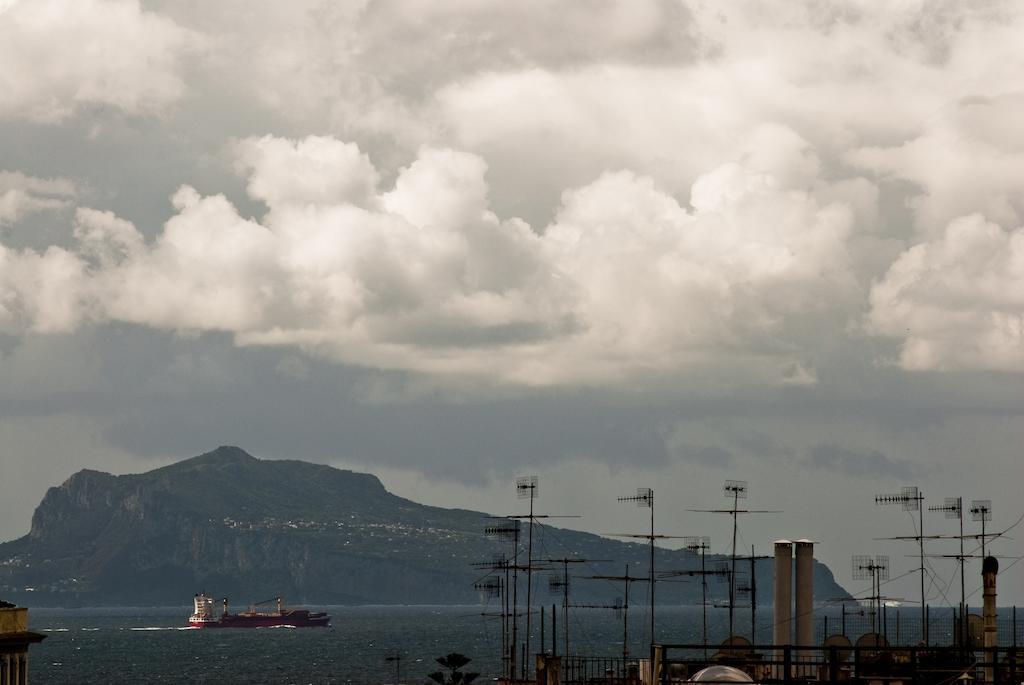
(298, 618)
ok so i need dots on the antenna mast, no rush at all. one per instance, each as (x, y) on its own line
(561, 585)
(954, 508)
(981, 510)
(751, 590)
(877, 570)
(736, 490)
(912, 499)
(699, 545)
(626, 579)
(508, 530)
(526, 488)
(644, 497)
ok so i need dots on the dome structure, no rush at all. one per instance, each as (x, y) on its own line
(720, 674)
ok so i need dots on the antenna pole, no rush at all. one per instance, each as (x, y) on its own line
(877, 570)
(753, 597)
(732, 570)
(652, 568)
(645, 498)
(504, 618)
(515, 604)
(920, 543)
(981, 510)
(954, 506)
(625, 619)
(737, 490)
(623, 607)
(529, 581)
(565, 605)
(877, 613)
(912, 498)
(704, 598)
(963, 562)
(699, 545)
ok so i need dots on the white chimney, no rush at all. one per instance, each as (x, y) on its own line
(783, 588)
(804, 591)
(783, 600)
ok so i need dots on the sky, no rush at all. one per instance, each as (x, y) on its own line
(610, 243)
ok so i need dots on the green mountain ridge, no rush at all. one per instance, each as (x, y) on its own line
(248, 528)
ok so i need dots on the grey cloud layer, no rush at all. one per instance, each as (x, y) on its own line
(700, 214)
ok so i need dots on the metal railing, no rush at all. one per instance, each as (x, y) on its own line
(583, 670)
(899, 626)
(876, 664)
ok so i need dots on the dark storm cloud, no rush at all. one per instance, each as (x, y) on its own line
(868, 464)
(760, 444)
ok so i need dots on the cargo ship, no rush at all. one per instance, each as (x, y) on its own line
(266, 614)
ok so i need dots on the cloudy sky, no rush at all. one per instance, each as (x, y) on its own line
(614, 243)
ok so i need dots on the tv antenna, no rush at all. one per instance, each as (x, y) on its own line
(877, 570)
(751, 590)
(627, 580)
(560, 585)
(735, 490)
(954, 509)
(644, 497)
(911, 499)
(699, 545)
(489, 586)
(981, 510)
(507, 530)
(527, 487)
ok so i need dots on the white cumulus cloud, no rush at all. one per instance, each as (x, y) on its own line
(425, 276)
(957, 300)
(58, 56)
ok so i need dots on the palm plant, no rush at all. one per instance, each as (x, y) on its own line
(453, 662)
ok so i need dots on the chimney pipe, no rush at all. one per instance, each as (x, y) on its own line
(989, 569)
(782, 598)
(804, 594)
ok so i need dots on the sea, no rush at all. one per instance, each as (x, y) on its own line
(155, 645)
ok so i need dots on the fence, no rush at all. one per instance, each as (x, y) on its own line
(853, 665)
(902, 626)
(594, 670)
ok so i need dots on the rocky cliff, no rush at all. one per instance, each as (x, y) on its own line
(250, 529)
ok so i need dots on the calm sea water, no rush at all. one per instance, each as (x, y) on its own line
(153, 645)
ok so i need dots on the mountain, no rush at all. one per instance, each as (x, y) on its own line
(249, 529)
